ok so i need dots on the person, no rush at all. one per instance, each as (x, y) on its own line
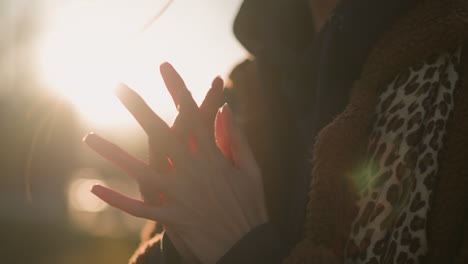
(345, 144)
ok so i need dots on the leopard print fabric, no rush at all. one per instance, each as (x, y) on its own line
(397, 182)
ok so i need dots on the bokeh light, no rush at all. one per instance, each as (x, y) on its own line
(80, 197)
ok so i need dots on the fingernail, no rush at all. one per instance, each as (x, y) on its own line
(86, 137)
(89, 137)
(166, 69)
(226, 109)
(95, 189)
(92, 139)
(217, 81)
(122, 92)
(223, 117)
(121, 89)
(165, 66)
(218, 119)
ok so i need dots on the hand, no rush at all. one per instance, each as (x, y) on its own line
(213, 193)
(157, 157)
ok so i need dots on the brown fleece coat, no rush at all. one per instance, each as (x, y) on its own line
(429, 28)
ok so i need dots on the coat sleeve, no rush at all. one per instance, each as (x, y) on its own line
(150, 251)
(157, 250)
(463, 255)
(261, 245)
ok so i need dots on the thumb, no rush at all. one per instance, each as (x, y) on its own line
(221, 136)
(240, 152)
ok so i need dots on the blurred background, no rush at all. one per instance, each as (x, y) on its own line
(59, 63)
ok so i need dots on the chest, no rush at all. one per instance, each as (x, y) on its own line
(397, 183)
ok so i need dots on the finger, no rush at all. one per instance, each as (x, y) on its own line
(148, 181)
(176, 86)
(212, 102)
(207, 111)
(129, 205)
(241, 154)
(221, 137)
(202, 139)
(131, 165)
(189, 110)
(149, 121)
(158, 159)
(157, 130)
(181, 128)
(174, 83)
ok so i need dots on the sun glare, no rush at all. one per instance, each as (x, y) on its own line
(82, 57)
(88, 47)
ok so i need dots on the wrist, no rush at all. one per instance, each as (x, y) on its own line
(261, 245)
(211, 250)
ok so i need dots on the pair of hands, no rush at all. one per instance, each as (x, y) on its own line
(202, 182)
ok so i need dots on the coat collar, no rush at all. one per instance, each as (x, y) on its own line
(428, 28)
